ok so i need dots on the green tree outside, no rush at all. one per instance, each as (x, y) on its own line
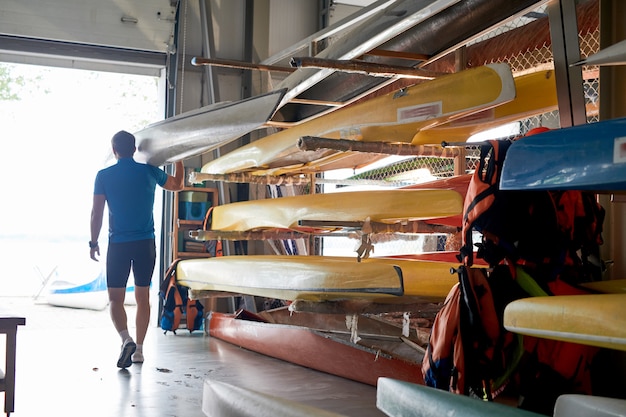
(7, 84)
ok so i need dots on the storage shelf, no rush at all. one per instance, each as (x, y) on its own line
(194, 255)
(190, 222)
(182, 227)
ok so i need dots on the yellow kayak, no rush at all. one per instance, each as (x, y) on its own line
(394, 117)
(536, 94)
(424, 279)
(385, 206)
(313, 278)
(319, 278)
(596, 319)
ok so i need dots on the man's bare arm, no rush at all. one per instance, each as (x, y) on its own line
(176, 182)
(97, 212)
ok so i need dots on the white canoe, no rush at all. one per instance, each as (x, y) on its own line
(611, 55)
(198, 131)
(398, 398)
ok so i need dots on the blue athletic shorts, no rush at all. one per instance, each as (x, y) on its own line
(140, 255)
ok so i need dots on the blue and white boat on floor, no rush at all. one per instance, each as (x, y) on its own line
(70, 288)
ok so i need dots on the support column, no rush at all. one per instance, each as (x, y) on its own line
(566, 50)
(211, 92)
(612, 106)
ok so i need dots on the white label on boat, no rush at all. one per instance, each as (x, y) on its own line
(421, 112)
(619, 150)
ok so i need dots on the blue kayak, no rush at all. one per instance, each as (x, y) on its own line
(588, 157)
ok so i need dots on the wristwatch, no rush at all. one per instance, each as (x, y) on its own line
(93, 245)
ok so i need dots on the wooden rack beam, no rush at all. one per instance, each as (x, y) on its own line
(415, 226)
(275, 234)
(325, 228)
(362, 67)
(398, 54)
(417, 306)
(199, 61)
(200, 177)
(311, 143)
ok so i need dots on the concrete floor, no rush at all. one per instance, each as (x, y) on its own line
(66, 366)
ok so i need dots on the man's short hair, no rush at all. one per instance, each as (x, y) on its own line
(124, 143)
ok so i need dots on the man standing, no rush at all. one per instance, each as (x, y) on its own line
(128, 189)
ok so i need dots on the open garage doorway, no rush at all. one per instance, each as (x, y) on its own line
(56, 125)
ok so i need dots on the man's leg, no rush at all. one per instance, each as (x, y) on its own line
(142, 320)
(118, 316)
(117, 310)
(143, 268)
(118, 270)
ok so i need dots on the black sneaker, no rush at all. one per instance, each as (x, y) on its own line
(128, 348)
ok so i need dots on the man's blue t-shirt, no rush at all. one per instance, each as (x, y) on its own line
(129, 190)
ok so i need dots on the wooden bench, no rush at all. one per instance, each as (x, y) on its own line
(8, 326)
